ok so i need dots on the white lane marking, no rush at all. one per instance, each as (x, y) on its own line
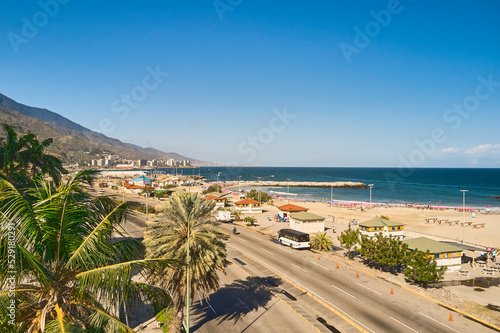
(244, 305)
(439, 322)
(257, 238)
(345, 292)
(267, 251)
(319, 265)
(241, 239)
(408, 327)
(284, 249)
(299, 284)
(376, 292)
(298, 267)
(210, 305)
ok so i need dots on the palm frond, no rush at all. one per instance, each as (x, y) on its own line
(93, 244)
(113, 279)
(104, 322)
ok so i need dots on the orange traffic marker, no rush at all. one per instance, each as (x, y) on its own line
(451, 317)
(357, 275)
(318, 257)
(392, 292)
(337, 266)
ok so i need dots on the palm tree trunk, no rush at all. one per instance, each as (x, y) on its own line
(177, 322)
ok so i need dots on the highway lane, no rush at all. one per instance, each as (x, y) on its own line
(242, 305)
(366, 300)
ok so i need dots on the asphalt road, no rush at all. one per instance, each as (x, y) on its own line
(242, 305)
(366, 301)
(343, 299)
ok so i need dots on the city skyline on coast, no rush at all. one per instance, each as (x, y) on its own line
(385, 83)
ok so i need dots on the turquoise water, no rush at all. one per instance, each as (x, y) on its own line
(424, 185)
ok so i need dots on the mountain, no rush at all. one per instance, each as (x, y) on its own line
(73, 142)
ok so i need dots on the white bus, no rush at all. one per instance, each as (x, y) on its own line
(294, 238)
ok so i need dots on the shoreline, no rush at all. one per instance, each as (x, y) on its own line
(358, 204)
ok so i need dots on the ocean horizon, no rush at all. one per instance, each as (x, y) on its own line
(433, 186)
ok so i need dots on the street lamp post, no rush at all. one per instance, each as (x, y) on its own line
(146, 194)
(370, 186)
(218, 181)
(463, 216)
(259, 179)
(288, 190)
(331, 200)
(187, 279)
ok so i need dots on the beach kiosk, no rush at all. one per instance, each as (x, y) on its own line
(445, 254)
(286, 210)
(219, 201)
(379, 225)
(249, 206)
(307, 222)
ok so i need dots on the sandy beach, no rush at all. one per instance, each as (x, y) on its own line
(413, 218)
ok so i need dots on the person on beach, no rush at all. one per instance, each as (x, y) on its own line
(349, 226)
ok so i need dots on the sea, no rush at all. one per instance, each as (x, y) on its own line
(432, 186)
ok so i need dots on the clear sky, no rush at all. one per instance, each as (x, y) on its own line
(295, 83)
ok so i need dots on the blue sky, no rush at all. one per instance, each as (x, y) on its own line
(327, 83)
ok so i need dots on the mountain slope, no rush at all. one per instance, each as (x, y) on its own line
(72, 140)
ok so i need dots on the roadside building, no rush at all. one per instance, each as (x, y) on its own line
(286, 210)
(249, 206)
(379, 225)
(133, 188)
(219, 201)
(142, 181)
(445, 254)
(307, 222)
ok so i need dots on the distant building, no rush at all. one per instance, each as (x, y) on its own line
(133, 188)
(219, 201)
(142, 181)
(445, 254)
(249, 206)
(125, 166)
(378, 225)
(142, 163)
(307, 222)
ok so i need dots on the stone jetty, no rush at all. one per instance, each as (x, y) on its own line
(271, 183)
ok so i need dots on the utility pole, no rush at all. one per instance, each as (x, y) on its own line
(370, 186)
(463, 216)
(288, 190)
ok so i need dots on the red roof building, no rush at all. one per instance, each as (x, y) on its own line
(290, 208)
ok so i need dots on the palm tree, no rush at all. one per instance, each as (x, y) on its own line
(10, 147)
(320, 241)
(236, 214)
(33, 158)
(25, 158)
(65, 263)
(187, 234)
